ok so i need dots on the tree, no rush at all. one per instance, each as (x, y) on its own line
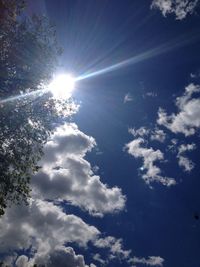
(28, 115)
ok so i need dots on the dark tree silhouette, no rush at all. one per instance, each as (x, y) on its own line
(28, 56)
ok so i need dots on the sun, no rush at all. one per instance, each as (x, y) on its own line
(62, 86)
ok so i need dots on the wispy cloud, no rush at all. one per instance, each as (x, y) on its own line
(128, 98)
(158, 135)
(150, 261)
(180, 8)
(155, 134)
(183, 161)
(142, 131)
(185, 121)
(115, 246)
(150, 94)
(149, 156)
(97, 257)
(195, 75)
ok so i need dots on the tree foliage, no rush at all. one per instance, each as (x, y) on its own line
(28, 56)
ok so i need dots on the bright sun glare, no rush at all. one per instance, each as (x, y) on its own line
(62, 86)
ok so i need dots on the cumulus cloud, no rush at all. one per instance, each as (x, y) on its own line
(67, 140)
(183, 161)
(22, 261)
(66, 175)
(61, 256)
(47, 231)
(66, 257)
(43, 227)
(150, 261)
(149, 156)
(180, 8)
(128, 98)
(187, 120)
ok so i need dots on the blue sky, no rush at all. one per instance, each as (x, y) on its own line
(128, 189)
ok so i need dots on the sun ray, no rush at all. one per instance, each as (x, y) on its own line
(164, 48)
(21, 96)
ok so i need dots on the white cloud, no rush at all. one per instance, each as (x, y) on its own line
(187, 120)
(195, 75)
(164, 5)
(150, 94)
(67, 140)
(128, 98)
(47, 231)
(61, 256)
(142, 131)
(158, 135)
(22, 261)
(97, 257)
(115, 246)
(149, 156)
(172, 147)
(181, 8)
(184, 161)
(66, 175)
(42, 226)
(66, 257)
(150, 261)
